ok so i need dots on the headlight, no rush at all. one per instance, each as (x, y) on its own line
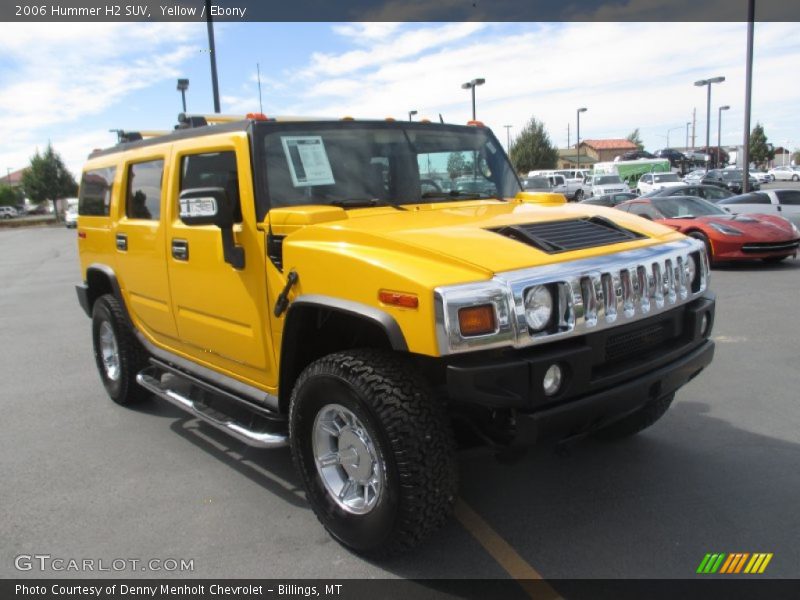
(795, 230)
(691, 269)
(725, 229)
(538, 307)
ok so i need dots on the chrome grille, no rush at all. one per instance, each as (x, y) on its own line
(592, 294)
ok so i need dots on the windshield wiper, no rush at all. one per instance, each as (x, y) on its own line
(460, 195)
(363, 203)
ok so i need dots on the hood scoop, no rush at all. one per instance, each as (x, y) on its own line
(554, 237)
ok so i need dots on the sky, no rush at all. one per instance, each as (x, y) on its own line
(69, 83)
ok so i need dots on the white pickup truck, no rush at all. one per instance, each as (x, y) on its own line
(599, 185)
(657, 181)
(563, 181)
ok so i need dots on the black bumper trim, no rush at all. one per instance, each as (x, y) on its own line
(604, 407)
(514, 379)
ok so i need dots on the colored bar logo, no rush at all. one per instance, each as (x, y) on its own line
(738, 562)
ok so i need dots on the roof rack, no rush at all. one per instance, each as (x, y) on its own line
(134, 136)
(189, 121)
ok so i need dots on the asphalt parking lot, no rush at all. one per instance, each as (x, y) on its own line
(84, 478)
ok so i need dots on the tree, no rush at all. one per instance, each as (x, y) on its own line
(532, 149)
(760, 151)
(635, 137)
(9, 196)
(456, 165)
(48, 179)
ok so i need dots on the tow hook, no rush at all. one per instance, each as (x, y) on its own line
(282, 303)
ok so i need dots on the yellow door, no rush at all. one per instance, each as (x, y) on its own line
(220, 311)
(140, 240)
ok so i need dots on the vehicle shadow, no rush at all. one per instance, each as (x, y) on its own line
(789, 264)
(650, 506)
(280, 478)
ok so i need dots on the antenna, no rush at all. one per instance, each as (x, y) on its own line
(260, 106)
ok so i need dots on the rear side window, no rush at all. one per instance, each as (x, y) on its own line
(143, 199)
(789, 197)
(753, 198)
(95, 196)
(212, 169)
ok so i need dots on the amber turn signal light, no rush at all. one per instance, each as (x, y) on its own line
(476, 320)
(398, 299)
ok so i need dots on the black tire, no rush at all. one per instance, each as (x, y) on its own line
(698, 235)
(579, 195)
(412, 440)
(773, 260)
(637, 421)
(131, 357)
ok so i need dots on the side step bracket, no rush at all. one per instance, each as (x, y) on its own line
(150, 379)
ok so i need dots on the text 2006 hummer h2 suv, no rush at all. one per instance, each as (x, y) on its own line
(360, 289)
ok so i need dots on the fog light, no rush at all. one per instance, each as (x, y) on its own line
(704, 323)
(552, 380)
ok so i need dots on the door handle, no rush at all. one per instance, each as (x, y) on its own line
(180, 249)
(122, 241)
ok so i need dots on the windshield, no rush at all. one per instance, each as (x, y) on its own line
(675, 208)
(352, 164)
(667, 177)
(606, 179)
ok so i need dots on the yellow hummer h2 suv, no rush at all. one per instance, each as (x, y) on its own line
(359, 290)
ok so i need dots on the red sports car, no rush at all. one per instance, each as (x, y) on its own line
(726, 236)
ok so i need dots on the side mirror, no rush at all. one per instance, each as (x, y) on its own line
(206, 206)
(211, 206)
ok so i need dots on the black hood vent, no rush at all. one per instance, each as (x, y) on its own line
(571, 234)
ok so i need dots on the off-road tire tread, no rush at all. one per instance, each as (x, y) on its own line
(133, 357)
(418, 432)
(637, 421)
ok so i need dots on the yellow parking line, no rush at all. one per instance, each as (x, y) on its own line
(501, 551)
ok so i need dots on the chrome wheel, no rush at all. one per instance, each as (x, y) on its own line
(347, 460)
(109, 351)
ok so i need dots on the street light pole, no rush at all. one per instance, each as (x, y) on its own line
(672, 129)
(578, 132)
(707, 83)
(471, 85)
(183, 85)
(411, 114)
(719, 133)
(213, 54)
(687, 134)
(508, 137)
(751, 15)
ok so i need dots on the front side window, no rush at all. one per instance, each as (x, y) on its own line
(789, 197)
(353, 164)
(144, 190)
(94, 199)
(215, 170)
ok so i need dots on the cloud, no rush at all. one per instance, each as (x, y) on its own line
(628, 74)
(380, 49)
(54, 76)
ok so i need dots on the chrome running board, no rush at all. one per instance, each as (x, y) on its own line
(150, 379)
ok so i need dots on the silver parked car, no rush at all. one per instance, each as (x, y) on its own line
(784, 203)
(785, 173)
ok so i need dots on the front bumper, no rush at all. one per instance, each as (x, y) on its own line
(735, 250)
(607, 374)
